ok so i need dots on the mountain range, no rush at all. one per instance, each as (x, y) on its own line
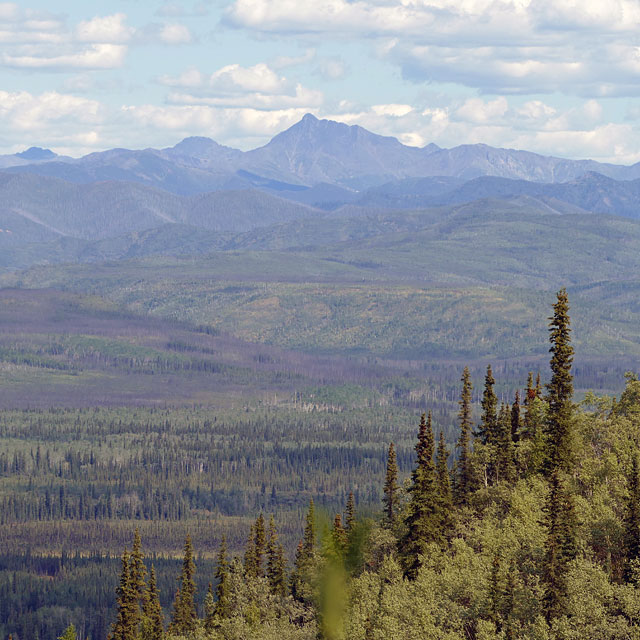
(56, 208)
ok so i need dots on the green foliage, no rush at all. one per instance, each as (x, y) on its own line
(69, 633)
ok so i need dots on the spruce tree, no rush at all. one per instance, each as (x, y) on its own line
(560, 512)
(124, 628)
(632, 522)
(222, 581)
(303, 576)
(463, 485)
(515, 419)
(184, 617)
(560, 388)
(138, 576)
(339, 536)
(153, 626)
(209, 610)
(260, 545)
(487, 428)
(309, 539)
(424, 515)
(556, 557)
(350, 514)
(444, 484)
(390, 498)
(442, 471)
(503, 449)
(276, 566)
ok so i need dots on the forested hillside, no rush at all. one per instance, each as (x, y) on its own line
(534, 533)
(514, 515)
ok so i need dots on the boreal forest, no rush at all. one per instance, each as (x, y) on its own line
(501, 512)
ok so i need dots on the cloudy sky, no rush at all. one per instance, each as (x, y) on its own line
(560, 77)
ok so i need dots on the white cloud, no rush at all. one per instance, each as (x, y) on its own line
(580, 47)
(175, 34)
(97, 56)
(36, 40)
(304, 98)
(282, 62)
(30, 113)
(256, 87)
(108, 29)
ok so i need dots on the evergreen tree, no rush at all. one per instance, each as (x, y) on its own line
(444, 483)
(556, 558)
(350, 513)
(302, 578)
(463, 485)
(209, 610)
(424, 514)
(184, 617)
(632, 521)
(222, 581)
(276, 566)
(339, 536)
(69, 633)
(138, 576)
(560, 512)
(487, 428)
(124, 627)
(503, 450)
(309, 539)
(153, 619)
(260, 546)
(390, 498)
(515, 419)
(560, 388)
(442, 471)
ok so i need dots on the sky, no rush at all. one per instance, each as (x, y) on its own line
(558, 77)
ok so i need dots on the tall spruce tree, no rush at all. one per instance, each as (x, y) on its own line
(309, 538)
(463, 485)
(184, 619)
(423, 522)
(442, 471)
(515, 419)
(486, 431)
(260, 545)
(632, 523)
(503, 449)
(350, 514)
(560, 387)
(560, 512)
(302, 578)
(444, 485)
(390, 498)
(138, 576)
(153, 619)
(560, 546)
(276, 566)
(124, 627)
(339, 536)
(209, 610)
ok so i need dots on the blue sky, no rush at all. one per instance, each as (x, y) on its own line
(560, 77)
